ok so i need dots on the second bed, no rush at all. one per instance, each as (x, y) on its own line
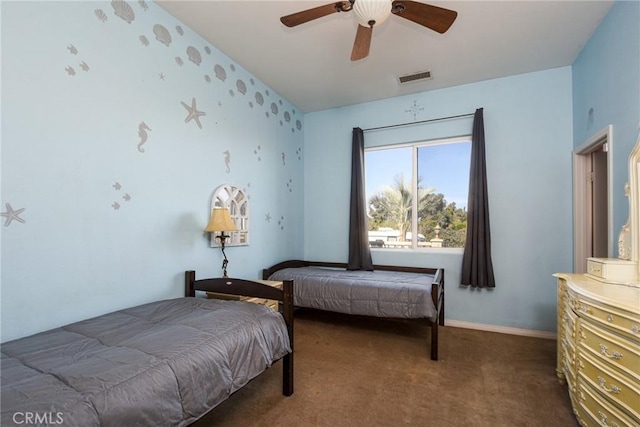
(388, 291)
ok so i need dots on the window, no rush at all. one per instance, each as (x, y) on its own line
(438, 172)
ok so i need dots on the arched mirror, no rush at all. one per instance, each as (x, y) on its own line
(236, 201)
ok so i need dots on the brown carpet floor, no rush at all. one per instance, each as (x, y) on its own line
(355, 371)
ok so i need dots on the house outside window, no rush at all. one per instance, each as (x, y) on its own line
(438, 172)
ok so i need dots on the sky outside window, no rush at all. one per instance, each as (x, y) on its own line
(444, 167)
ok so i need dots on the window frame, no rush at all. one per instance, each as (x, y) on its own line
(414, 188)
(234, 199)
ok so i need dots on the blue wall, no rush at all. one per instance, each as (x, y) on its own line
(68, 136)
(528, 122)
(78, 79)
(532, 124)
(606, 80)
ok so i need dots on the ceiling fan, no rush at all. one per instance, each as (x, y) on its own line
(374, 12)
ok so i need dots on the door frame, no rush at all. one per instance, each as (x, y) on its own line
(582, 217)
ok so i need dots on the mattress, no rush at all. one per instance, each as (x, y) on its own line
(369, 293)
(165, 363)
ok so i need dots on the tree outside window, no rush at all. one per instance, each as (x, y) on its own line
(438, 172)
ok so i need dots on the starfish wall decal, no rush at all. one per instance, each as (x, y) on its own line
(11, 215)
(194, 114)
(414, 109)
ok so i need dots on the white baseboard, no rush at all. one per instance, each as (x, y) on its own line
(501, 329)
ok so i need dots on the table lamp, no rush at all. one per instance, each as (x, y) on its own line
(220, 222)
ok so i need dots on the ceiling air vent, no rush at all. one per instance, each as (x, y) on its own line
(422, 75)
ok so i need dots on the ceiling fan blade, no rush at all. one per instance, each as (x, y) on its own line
(362, 43)
(433, 17)
(314, 13)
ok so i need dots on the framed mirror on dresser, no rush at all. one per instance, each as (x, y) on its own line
(599, 326)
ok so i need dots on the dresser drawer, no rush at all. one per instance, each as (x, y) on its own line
(617, 388)
(569, 353)
(569, 320)
(610, 349)
(568, 363)
(599, 410)
(612, 270)
(623, 322)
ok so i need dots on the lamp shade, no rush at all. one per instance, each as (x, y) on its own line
(371, 10)
(220, 221)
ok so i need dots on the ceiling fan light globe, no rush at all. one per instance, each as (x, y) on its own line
(371, 10)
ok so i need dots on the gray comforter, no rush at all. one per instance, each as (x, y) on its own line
(368, 293)
(161, 364)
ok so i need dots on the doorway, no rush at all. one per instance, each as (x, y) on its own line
(592, 205)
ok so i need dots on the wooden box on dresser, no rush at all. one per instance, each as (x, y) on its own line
(599, 349)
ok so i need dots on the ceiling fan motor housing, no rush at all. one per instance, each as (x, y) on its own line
(370, 12)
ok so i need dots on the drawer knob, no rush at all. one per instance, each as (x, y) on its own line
(614, 355)
(613, 389)
(635, 329)
(609, 318)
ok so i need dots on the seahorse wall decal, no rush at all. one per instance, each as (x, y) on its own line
(142, 133)
(227, 160)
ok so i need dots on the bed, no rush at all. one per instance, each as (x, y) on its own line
(166, 363)
(388, 291)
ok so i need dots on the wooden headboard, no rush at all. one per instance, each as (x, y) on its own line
(231, 286)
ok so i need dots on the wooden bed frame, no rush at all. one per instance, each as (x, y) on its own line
(226, 285)
(437, 287)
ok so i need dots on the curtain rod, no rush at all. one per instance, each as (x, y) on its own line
(421, 121)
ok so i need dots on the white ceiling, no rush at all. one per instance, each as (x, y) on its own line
(309, 65)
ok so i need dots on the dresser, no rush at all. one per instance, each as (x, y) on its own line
(599, 349)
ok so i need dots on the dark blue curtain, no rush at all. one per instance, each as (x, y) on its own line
(477, 268)
(359, 251)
